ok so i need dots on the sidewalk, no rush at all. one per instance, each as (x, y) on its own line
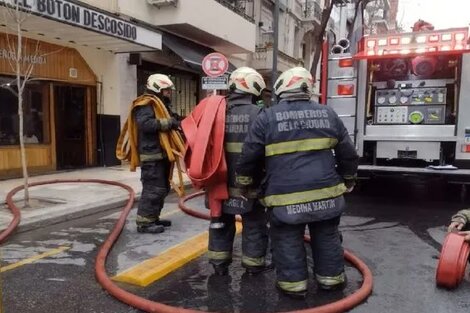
(61, 202)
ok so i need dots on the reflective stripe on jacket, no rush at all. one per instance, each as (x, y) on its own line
(308, 153)
(241, 112)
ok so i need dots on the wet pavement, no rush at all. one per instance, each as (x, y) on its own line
(394, 226)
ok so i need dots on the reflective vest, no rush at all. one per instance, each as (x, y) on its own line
(241, 112)
(308, 154)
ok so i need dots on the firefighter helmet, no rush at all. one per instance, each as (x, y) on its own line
(246, 80)
(296, 79)
(158, 82)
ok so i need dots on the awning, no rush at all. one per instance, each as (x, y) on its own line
(191, 52)
(68, 22)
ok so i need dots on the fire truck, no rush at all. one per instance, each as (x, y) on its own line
(405, 100)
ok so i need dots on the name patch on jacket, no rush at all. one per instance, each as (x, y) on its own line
(310, 207)
(237, 205)
(311, 211)
(237, 123)
(302, 119)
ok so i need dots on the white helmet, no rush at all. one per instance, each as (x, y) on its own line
(296, 79)
(158, 82)
(246, 80)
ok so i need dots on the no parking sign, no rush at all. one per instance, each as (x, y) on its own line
(215, 64)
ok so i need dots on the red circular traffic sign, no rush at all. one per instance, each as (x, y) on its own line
(215, 64)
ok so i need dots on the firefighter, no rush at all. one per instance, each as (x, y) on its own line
(461, 223)
(155, 166)
(310, 162)
(245, 86)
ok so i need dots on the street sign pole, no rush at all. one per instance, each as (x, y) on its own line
(275, 49)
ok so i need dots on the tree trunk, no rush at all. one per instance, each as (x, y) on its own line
(318, 34)
(20, 86)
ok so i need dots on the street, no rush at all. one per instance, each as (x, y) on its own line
(395, 226)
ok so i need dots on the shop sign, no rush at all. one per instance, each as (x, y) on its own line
(78, 15)
(32, 59)
(215, 83)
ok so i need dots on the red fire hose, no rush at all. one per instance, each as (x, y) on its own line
(151, 306)
(453, 261)
(335, 307)
(16, 215)
(204, 130)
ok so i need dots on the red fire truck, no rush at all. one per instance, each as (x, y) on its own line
(405, 99)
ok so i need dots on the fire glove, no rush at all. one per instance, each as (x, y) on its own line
(243, 183)
(174, 123)
(457, 224)
(349, 183)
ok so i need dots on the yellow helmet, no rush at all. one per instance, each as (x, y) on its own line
(158, 82)
(296, 79)
(246, 80)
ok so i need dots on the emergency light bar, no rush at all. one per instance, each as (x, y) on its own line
(450, 41)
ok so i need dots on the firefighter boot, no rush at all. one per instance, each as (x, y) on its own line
(331, 283)
(292, 293)
(255, 270)
(150, 228)
(220, 269)
(164, 223)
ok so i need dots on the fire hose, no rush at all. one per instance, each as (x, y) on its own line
(204, 130)
(151, 306)
(342, 305)
(452, 261)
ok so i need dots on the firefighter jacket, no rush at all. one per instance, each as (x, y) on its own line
(308, 156)
(462, 215)
(149, 147)
(241, 112)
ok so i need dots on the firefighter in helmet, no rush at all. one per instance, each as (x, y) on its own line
(461, 223)
(246, 86)
(155, 166)
(310, 162)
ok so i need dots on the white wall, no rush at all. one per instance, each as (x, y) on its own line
(128, 85)
(207, 15)
(118, 79)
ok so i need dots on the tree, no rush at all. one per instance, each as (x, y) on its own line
(319, 33)
(22, 65)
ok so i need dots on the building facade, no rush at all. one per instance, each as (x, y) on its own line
(91, 59)
(296, 21)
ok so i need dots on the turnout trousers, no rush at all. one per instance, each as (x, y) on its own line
(254, 239)
(155, 187)
(290, 259)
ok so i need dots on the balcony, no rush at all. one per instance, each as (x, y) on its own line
(311, 11)
(263, 60)
(263, 56)
(223, 25)
(244, 8)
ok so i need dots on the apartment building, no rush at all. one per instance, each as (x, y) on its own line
(92, 58)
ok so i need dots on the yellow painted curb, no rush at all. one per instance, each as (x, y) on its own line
(33, 259)
(151, 270)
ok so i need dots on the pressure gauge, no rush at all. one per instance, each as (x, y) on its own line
(392, 99)
(416, 117)
(403, 100)
(381, 100)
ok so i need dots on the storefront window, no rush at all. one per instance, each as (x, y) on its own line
(35, 116)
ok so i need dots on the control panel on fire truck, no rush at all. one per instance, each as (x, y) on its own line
(410, 105)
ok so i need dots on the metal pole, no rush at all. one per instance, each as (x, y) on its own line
(275, 49)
